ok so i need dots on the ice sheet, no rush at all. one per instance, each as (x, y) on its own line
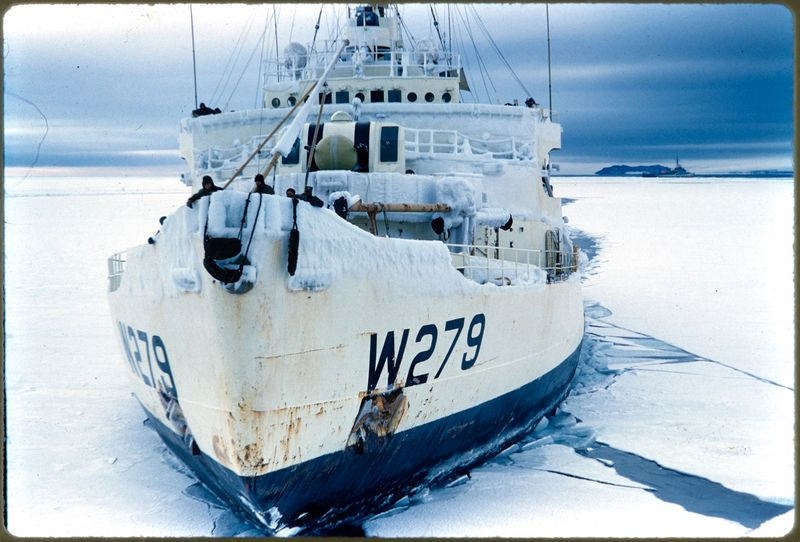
(690, 372)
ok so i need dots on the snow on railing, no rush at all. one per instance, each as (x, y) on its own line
(364, 61)
(421, 141)
(427, 141)
(504, 266)
(214, 157)
(116, 268)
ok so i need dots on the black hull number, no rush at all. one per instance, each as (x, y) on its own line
(390, 355)
(148, 359)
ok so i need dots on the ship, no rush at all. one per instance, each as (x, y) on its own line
(402, 303)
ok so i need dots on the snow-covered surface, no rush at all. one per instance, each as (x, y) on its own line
(331, 249)
(685, 389)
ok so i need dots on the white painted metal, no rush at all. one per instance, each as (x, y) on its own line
(275, 377)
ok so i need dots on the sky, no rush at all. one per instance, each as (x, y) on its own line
(100, 89)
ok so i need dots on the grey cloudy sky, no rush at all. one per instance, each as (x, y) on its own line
(104, 87)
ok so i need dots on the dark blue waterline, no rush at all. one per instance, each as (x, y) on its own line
(332, 492)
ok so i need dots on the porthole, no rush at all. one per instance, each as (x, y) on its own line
(360, 96)
(412, 97)
(292, 100)
(276, 102)
(446, 97)
(429, 97)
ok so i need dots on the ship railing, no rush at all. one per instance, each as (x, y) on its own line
(427, 141)
(116, 268)
(229, 158)
(506, 266)
(421, 141)
(365, 61)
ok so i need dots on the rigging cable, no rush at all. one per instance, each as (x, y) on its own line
(412, 41)
(498, 51)
(466, 65)
(549, 76)
(244, 69)
(261, 72)
(227, 72)
(436, 26)
(277, 52)
(484, 72)
(252, 232)
(194, 59)
(291, 27)
(449, 30)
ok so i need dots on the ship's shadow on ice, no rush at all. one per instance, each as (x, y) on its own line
(693, 493)
(608, 352)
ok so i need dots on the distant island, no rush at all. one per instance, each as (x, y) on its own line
(656, 170)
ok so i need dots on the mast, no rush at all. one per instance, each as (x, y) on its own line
(194, 60)
(549, 76)
(316, 28)
(436, 26)
(277, 51)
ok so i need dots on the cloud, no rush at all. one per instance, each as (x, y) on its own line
(628, 80)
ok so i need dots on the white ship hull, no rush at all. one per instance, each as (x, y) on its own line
(270, 383)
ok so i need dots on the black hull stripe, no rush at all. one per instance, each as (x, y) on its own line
(348, 485)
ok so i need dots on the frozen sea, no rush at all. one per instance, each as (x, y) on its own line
(680, 422)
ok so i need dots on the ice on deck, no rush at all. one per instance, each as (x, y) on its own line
(332, 250)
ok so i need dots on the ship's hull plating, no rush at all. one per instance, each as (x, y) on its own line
(377, 367)
(333, 488)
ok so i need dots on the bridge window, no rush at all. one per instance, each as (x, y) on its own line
(389, 137)
(383, 53)
(375, 96)
(342, 96)
(366, 17)
(327, 97)
(395, 95)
